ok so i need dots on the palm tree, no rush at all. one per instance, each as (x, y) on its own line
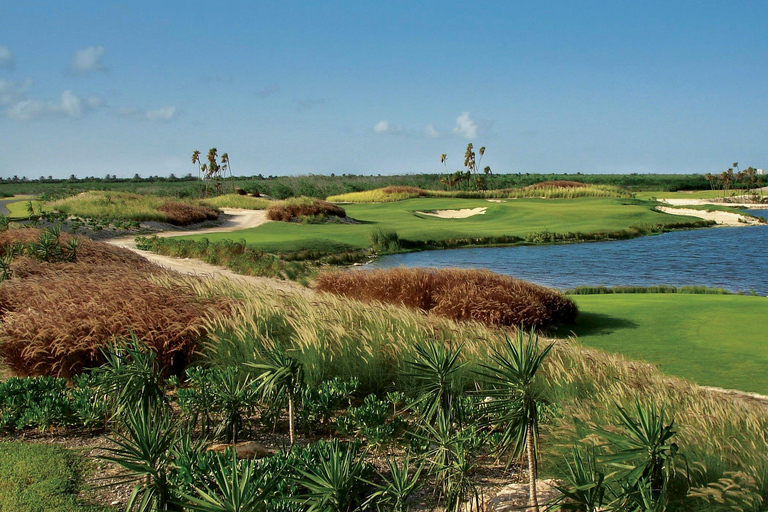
(516, 398)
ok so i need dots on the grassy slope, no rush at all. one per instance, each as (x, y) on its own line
(716, 340)
(37, 477)
(693, 194)
(514, 217)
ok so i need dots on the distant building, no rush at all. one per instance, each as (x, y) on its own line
(760, 172)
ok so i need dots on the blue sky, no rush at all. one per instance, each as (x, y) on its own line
(96, 87)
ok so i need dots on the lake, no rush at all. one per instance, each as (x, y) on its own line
(734, 258)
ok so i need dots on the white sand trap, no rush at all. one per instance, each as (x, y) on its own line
(457, 214)
(496, 200)
(720, 218)
(699, 202)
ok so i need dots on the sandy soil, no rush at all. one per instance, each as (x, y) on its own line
(456, 214)
(698, 202)
(721, 218)
(237, 219)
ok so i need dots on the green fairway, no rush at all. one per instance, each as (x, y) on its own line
(516, 217)
(20, 209)
(714, 340)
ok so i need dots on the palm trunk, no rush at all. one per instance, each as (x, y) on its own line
(290, 418)
(533, 498)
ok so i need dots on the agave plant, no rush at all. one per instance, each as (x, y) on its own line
(583, 488)
(435, 368)
(516, 398)
(142, 450)
(395, 490)
(131, 376)
(281, 379)
(334, 483)
(643, 451)
(237, 486)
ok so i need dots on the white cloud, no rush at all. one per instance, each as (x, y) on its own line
(160, 114)
(430, 132)
(87, 60)
(465, 126)
(7, 61)
(382, 126)
(13, 92)
(69, 105)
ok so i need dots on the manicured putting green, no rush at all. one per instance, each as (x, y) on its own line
(714, 340)
(513, 217)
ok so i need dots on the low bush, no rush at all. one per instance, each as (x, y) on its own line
(477, 295)
(183, 214)
(108, 292)
(237, 201)
(302, 208)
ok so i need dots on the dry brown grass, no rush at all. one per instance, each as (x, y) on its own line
(55, 318)
(559, 184)
(184, 214)
(296, 208)
(404, 190)
(478, 295)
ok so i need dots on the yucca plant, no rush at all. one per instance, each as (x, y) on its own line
(131, 376)
(583, 488)
(516, 397)
(334, 483)
(643, 450)
(281, 379)
(396, 487)
(237, 486)
(435, 369)
(142, 450)
(234, 394)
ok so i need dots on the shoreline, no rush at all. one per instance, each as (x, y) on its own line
(720, 218)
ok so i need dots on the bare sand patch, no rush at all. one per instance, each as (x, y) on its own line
(700, 202)
(720, 218)
(456, 214)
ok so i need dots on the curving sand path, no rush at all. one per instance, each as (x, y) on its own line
(236, 219)
(721, 218)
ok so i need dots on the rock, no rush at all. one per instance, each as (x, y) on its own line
(244, 450)
(514, 496)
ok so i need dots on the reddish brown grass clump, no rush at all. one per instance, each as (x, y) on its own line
(559, 184)
(56, 317)
(182, 214)
(296, 208)
(458, 294)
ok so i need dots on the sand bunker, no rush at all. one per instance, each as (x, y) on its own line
(699, 202)
(720, 218)
(456, 214)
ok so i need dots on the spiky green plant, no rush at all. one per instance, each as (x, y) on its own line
(397, 486)
(517, 396)
(435, 369)
(643, 450)
(236, 486)
(334, 483)
(142, 450)
(131, 376)
(233, 396)
(281, 379)
(583, 488)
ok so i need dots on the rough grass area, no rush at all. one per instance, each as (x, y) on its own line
(41, 477)
(715, 340)
(57, 317)
(336, 337)
(457, 294)
(237, 201)
(182, 214)
(136, 207)
(548, 190)
(513, 219)
(302, 208)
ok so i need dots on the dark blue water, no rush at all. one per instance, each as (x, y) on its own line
(732, 258)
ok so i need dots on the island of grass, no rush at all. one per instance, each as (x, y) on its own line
(510, 221)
